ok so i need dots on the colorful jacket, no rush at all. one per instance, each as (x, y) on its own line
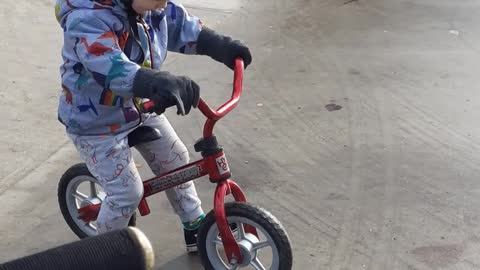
(97, 74)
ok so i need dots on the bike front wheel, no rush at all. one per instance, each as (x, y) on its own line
(271, 249)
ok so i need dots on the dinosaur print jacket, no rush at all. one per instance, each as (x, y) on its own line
(101, 56)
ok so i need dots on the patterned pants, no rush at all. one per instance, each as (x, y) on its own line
(110, 161)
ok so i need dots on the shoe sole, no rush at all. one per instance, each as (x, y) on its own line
(192, 248)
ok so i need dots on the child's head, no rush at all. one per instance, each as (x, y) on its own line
(142, 6)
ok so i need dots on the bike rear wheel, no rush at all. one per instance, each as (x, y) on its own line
(78, 188)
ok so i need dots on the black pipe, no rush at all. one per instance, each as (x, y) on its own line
(127, 249)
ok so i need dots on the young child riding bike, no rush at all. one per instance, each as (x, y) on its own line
(112, 55)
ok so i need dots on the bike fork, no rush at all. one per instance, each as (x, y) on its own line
(231, 247)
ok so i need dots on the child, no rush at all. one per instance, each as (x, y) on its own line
(113, 51)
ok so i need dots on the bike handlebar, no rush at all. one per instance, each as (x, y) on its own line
(149, 106)
(230, 104)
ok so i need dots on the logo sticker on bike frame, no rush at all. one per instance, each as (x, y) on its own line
(174, 179)
(222, 165)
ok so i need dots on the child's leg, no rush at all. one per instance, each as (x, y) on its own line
(169, 153)
(109, 159)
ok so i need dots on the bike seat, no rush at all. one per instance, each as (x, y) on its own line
(143, 134)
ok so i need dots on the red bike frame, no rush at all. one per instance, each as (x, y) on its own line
(214, 165)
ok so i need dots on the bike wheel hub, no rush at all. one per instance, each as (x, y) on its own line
(90, 201)
(246, 249)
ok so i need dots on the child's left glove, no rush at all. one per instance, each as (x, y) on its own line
(166, 90)
(222, 48)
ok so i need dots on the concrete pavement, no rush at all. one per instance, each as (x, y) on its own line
(358, 129)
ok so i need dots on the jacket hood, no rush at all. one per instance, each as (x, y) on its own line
(64, 7)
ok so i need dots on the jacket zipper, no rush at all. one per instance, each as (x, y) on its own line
(144, 25)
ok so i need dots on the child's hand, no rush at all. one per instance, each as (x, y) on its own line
(237, 48)
(166, 90)
(222, 48)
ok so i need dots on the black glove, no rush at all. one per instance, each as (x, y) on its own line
(166, 90)
(222, 48)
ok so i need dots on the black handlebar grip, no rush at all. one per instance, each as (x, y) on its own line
(127, 249)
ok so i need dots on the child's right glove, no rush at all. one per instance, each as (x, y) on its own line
(222, 48)
(166, 90)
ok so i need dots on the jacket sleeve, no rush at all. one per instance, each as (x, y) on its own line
(183, 29)
(96, 46)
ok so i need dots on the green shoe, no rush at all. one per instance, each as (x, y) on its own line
(190, 230)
